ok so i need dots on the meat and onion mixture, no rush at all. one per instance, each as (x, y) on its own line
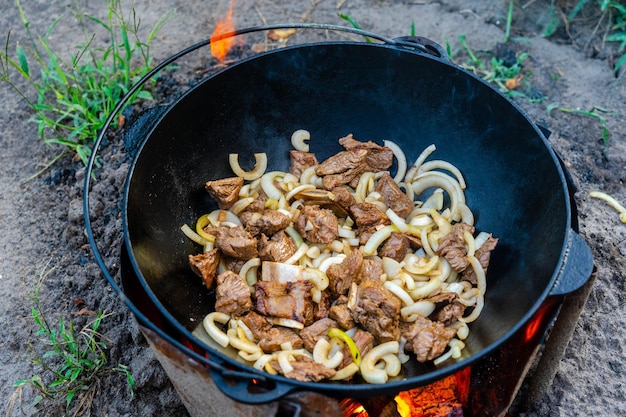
(337, 268)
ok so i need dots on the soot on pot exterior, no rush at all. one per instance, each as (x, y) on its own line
(516, 186)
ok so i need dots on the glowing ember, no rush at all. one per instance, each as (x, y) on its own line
(220, 48)
(435, 400)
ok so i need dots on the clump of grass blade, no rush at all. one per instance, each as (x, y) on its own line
(73, 99)
(73, 361)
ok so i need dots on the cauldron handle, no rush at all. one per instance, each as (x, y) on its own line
(577, 266)
(424, 45)
(235, 385)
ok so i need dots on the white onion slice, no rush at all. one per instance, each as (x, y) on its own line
(267, 183)
(260, 165)
(412, 172)
(298, 139)
(400, 157)
(446, 166)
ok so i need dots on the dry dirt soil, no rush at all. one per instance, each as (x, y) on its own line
(42, 228)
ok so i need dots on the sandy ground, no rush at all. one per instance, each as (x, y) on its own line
(41, 219)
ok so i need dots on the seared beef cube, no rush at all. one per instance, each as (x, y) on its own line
(277, 249)
(290, 300)
(317, 225)
(368, 217)
(257, 205)
(205, 265)
(236, 242)
(483, 254)
(415, 242)
(347, 167)
(342, 162)
(276, 336)
(257, 324)
(395, 247)
(341, 313)
(452, 247)
(448, 309)
(427, 339)
(321, 309)
(343, 198)
(305, 369)
(343, 168)
(371, 270)
(232, 294)
(342, 275)
(393, 196)
(233, 264)
(268, 222)
(378, 311)
(300, 161)
(364, 342)
(225, 191)
(311, 334)
(379, 158)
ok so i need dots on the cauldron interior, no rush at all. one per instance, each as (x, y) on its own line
(515, 187)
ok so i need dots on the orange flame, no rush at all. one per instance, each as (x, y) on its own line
(220, 48)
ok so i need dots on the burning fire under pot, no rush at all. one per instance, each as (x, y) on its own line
(486, 387)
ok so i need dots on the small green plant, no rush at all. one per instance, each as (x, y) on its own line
(73, 361)
(494, 70)
(595, 113)
(611, 11)
(73, 99)
(354, 24)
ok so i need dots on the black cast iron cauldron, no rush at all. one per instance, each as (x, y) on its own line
(404, 90)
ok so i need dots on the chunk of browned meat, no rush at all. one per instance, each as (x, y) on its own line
(257, 205)
(311, 334)
(343, 198)
(415, 242)
(236, 242)
(342, 168)
(371, 269)
(346, 167)
(342, 275)
(378, 311)
(321, 309)
(427, 339)
(317, 225)
(233, 264)
(447, 308)
(300, 161)
(232, 294)
(341, 313)
(368, 217)
(395, 247)
(305, 369)
(277, 249)
(379, 158)
(290, 300)
(205, 265)
(393, 196)
(341, 162)
(364, 342)
(257, 324)
(452, 247)
(276, 336)
(483, 254)
(225, 191)
(268, 222)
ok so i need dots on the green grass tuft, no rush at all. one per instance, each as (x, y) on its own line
(74, 97)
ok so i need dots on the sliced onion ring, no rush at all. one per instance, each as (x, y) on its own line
(400, 157)
(260, 165)
(297, 140)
